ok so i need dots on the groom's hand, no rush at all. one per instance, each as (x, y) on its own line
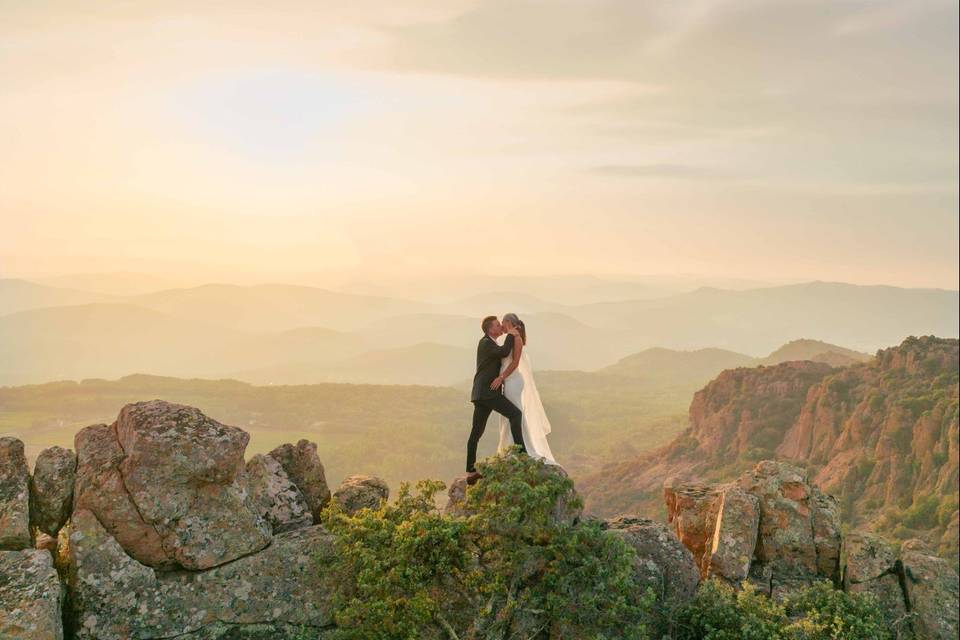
(496, 383)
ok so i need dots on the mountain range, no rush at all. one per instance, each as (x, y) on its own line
(295, 334)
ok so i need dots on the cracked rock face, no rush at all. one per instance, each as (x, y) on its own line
(30, 596)
(932, 590)
(303, 467)
(361, 492)
(872, 567)
(277, 593)
(51, 489)
(14, 496)
(277, 500)
(169, 484)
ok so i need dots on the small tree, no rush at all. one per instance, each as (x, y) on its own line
(518, 566)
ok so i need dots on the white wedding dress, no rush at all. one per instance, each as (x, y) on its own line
(521, 390)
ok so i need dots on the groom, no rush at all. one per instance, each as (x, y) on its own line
(487, 394)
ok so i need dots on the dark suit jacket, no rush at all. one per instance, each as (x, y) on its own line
(489, 355)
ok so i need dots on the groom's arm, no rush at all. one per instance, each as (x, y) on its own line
(504, 351)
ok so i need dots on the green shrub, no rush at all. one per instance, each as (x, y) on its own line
(821, 612)
(818, 612)
(510, 567)
(922, 514)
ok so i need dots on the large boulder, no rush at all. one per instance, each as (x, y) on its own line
(14, 496)
(169, 484)
(771, 527)
(662, 563)
(932, 590)
(361, 492)
(30, 596)
(277, 500)
(872, 567)
(798, 534)
(281, 592)
(51, 489)
(303, 467)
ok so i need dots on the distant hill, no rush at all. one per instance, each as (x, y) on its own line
(425, 363)
(881, 435)
(685, 367)
(816, 351)
(22, 295)
(274, 307)
(756, 321)
(102, 340)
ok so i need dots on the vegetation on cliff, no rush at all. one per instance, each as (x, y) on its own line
(514, 563)
(882, 436)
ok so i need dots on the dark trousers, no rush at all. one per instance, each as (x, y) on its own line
(481, 411)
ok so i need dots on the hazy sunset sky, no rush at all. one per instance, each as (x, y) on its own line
(284, 140)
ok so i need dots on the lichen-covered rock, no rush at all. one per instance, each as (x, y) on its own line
(735, 536)
(305, 470)
(30, 596)
(99, 489)
(456, 497)
(14, 496)
(663, 563)
(932, 591)
(361, 492)
(277, 500)
(280, 591)
(185, 473)
(872, 567)
(51, 489)
(771, 527)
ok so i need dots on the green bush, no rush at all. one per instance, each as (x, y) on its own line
(818, 612)
(511, 568)
(922, 514)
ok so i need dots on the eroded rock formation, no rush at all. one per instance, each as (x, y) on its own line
(771, 525)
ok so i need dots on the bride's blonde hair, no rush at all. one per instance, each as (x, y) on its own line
(518, 323)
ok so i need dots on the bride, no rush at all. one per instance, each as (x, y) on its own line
(521, 390)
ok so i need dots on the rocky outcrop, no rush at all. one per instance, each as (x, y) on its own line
(51, 489)
(663, 563)
(932, 591)
(30, 596)
(169, 484)
(184, 472)
(872, 566)
(14, 496)
(361, 492)
(282, 591)
(771, 526)
(276, 499)
(882, 436)
(303, 467)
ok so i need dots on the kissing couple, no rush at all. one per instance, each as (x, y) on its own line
(504, 383)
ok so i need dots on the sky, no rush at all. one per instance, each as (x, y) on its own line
(303, 141)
